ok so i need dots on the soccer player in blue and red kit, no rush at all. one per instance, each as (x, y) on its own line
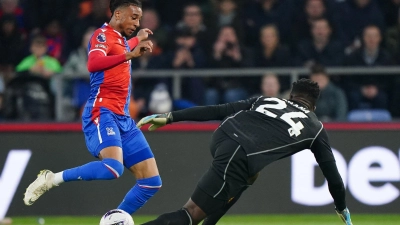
(110, 134)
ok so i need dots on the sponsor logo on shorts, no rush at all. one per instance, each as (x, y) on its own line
(110, 131)
(101, 38)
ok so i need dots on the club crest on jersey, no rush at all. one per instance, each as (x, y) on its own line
(101, 37)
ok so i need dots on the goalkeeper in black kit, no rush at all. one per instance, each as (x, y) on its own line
(253, 133)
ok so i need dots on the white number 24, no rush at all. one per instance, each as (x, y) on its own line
(287, 117)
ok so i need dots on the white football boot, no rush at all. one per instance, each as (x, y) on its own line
(37, 188)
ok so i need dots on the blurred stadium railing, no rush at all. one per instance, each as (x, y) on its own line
(177, 76)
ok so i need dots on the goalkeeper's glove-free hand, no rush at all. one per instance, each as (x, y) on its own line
(156, 121)
(344, 216)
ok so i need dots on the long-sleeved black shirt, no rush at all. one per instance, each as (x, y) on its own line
(270, 129)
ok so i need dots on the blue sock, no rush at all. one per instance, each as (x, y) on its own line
(140, 193)
(106, 169)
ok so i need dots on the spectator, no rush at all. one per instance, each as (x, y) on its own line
(227, 14)
(189, 54)
(29, 97)
(55, 40)
(332, 102)
(278, 12)
(353, 16)
(151, 21)
(371, 54)
(39, 63)
(390, 10)
(144, 86)
(228, 53)
(368, 96)
(77, 27)
(11, 43)
(76, 66)
(322, 48)
(38, 13)
(270, 86)
(151, 60)
(392, 41)
(77, 60)
(193, 21)
(271, 53)
(10, 7)
(313, 10)
(171, 10)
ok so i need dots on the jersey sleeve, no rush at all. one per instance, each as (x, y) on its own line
(99, 48)
(326, 161)
(101, 41)
(133, 42)
(322, 149)
(212, 112)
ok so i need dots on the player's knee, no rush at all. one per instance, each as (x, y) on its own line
(152, 184)
(116, 169)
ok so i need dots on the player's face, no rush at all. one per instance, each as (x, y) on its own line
(130, 20)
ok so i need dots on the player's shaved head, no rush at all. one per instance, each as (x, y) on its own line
(305, 91)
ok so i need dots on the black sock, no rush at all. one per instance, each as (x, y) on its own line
(215, 217)
(180, 217)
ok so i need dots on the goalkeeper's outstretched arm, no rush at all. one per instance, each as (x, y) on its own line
(212, 112)
(326, 161)
(199, 113)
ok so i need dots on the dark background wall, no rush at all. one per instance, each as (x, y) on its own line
(182, 158)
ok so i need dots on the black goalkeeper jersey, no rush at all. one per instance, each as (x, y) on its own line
(268, 128)
(274, 128)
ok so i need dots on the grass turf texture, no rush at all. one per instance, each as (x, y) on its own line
(381, 219)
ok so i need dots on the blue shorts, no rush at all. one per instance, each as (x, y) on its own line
(110, 129)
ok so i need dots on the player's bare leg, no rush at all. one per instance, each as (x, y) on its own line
(112, 152)
(47, 179)
(145, 169)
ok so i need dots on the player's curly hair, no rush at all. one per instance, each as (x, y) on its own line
(114, 4)
(307, 89)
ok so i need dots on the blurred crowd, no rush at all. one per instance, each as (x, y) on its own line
(40, 39)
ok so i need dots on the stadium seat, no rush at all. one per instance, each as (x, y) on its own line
(369, 115)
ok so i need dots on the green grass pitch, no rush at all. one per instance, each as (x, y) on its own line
(382, 219)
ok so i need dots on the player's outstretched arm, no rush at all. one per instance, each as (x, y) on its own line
(198, 113)
(344, 215)
(326, 161)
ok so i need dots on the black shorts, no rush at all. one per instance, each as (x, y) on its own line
(226, 177)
